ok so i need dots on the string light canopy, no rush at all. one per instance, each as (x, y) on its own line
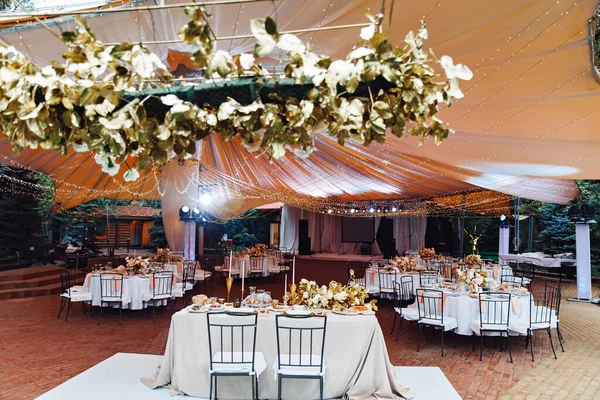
(526, 126)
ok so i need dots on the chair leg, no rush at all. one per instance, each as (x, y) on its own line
(154, 311)
(216, 386)
(442, 342)
(394, 323)
(100, 313)
(508, 345)
(481, 346)
(68, 309)
(279, 378)
(321, 387)
(559, 336)
(473, 343)
(551, 344)
(256, 379)
(399, 329)
(210, 388)
(62, 304)
(531, 344)
(252, 379)
(120, 310)
(91, 310)
(419, 338)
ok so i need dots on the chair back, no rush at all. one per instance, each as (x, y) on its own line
(494, 310)
(189, 272)
(428, 278)
(540, 308)
(527, 269)
(360, 272)
(405, 294)
(513, 263)
(162, 283)
(256, 265)
(386, 280)
(207, 263)
(430, 304)
(111, 285)
(66, 279)
(301, 340)
(510, 280)
(232, 339)
(554, 292)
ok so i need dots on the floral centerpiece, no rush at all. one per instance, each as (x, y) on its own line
(473, 277)
(334, 296)
(260, 250)
(136, 265)
(163, 255)
(427, 252)
(405, 263)
(473, 259)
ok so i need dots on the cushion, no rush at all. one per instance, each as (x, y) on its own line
(410, 313)
(476, 328)
(242, 367)
(123, 300)
(78, 296)
(150, 296)
(297, 370)
(449, 322)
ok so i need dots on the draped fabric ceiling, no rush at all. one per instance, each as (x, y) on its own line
(526, 127)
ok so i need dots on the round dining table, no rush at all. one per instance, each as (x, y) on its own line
(133, 290)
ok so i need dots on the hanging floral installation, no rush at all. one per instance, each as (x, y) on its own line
(104, 98)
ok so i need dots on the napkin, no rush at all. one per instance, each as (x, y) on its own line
(117, 283)
(516, 306)
(496, 272)
(179, 267)
(152, 282)
(442, 301)
(88, 278)
(479, 305)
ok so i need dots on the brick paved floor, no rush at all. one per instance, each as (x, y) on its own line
(39, 351)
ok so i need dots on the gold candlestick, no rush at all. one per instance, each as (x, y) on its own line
(293, 293)
(229, 283)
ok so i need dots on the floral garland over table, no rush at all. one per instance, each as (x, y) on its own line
(473, 259)
(101, 99)
(427, 252)
(473, 277)
(332, 297)
(260, 250)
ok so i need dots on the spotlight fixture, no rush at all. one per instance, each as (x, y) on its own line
(394, 209)
(502, 218)
(371, 210)
(196, 212)
(205, 199)
(184, 212)
(203, 219)
(379, 210)
(352, 211)
(329, 211)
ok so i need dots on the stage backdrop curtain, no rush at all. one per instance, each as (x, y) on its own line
(409, 233)
(325, 232)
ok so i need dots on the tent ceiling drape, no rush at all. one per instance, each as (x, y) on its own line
(527, 125)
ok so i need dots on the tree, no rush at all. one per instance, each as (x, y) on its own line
(157, 233)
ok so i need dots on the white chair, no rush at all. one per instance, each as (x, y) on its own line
(430, 304)
(161, 284)
(68, 294)
(494, 319)
(299, 357)
(232, 348)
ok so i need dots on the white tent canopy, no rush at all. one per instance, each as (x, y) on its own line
(526, 127)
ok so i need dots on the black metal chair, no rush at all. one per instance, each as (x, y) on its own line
(510, 280)
(526, 272)
(161, 284)
(428, 278)
(111, 292)
(494, 318)
(256, 267)
(207, 265)
(386, 282)
(405, 296)
(554, 292)
(360, 272)
(68, 294)
(300, 348)
(430, 304)
(540, 318)
(232, 348)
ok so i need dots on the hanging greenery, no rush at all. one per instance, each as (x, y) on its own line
(98, 100)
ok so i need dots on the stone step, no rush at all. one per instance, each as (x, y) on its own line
(46, 290)
(29, 273)
(37, 282)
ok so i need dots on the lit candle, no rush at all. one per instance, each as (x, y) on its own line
(294, 270)
(230, 262)
(285, 287)
(243, 274)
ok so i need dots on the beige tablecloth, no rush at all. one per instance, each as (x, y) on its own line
(358, 366)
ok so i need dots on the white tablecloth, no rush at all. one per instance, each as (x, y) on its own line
(134, 286)
(536, 259)
(356, 357)
(464, 309)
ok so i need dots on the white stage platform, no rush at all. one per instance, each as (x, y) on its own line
(341, 257)
(118, 378)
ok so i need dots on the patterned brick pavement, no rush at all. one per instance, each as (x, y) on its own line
(39, 351)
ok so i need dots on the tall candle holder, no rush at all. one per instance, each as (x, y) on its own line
(293, 292)
(229, 283)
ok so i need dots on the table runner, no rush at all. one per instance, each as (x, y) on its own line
(358, 365)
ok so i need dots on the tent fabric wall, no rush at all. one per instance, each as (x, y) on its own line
(409, 233)
(527, 125)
